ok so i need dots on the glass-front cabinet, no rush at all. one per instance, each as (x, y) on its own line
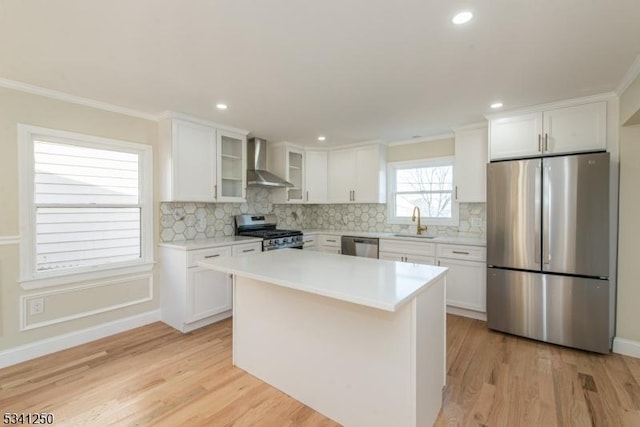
(232, 167)
(295, 175)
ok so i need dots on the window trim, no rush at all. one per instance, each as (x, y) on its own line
(418, 163)
(30, 278)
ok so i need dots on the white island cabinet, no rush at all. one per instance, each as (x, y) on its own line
(360, 340)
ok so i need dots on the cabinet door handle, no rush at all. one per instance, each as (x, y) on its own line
(540, 143)
(331, 240)
(438, 262)
(546, 142)
(211, 256)
(460, 252)
(456, 192)
(248, 250)
(307, 196)
(354, 195)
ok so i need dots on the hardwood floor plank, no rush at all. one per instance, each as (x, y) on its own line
(156, 376)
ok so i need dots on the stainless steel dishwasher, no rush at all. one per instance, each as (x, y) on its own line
(360, 246)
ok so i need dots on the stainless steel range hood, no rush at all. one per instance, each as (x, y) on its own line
(257, 174)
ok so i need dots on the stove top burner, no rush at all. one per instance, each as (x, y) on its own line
(264, 227)
(270, 234)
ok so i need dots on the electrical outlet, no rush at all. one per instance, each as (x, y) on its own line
(36, 306)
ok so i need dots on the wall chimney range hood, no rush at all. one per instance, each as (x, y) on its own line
(257, 174)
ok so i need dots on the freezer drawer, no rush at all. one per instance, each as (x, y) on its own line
(569, 311)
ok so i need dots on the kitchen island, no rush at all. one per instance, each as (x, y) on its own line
(360, 340)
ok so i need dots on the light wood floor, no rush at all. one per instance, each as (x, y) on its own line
(156, 376)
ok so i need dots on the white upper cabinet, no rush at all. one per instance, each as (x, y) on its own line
(515, 136)
(357, 175)
(201, 163)
(470, 167)
(562, 130)
(342, 175)
(232, 167)
(287, 162)
(574, 129)
(316, 176)
(190, 169)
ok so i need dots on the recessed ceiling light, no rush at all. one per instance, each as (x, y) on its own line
(322, 138)
(462, 17)
(496, 105)
(221, 106)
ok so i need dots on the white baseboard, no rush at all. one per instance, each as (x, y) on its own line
(467, 313)
(51, 345)
(626, 347)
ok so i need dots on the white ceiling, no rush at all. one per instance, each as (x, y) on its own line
(291, 70)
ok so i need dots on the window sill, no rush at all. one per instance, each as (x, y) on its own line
(66, 279)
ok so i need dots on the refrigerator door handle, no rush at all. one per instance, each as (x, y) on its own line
(546, 208)
(536, 224)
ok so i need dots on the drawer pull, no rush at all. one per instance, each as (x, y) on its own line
(212, 256)
(248, 250)
(331, 240)
(460, 252)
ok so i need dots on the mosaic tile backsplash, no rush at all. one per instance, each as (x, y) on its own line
(186, 220)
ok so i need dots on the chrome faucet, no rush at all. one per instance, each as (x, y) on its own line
(415, 216)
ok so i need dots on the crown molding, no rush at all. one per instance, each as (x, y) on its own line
(472, 126)
(181, 116)
(422, 139)
(632, 73)
(73, 99)
(553, 105)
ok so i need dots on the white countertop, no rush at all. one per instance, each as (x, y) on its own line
(188, 245)
(386, 285)
(472, 241)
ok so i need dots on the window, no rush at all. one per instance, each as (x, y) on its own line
(427, 184)
(86, 204)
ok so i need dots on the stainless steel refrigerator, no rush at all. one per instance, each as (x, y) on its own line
(548, 249)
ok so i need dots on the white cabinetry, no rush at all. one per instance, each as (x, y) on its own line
(201, 163)
(192, 296)
(556, 131)
(466, 278)
(330, 243)
(310, 242)
(407, 251)
(470, 168)
(357, 175)
(232, 167)
(316, 176)
(288, 162)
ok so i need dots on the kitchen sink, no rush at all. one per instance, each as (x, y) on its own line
(419, 236)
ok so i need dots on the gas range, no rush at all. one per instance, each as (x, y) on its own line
(264, 226)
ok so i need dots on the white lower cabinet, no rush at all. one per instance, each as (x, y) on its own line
(330, 243)
(466, 278)
(208, 293)
(193, 296)
(310, 242)
(407, 251)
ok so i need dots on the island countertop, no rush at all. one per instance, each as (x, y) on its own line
(381, 284)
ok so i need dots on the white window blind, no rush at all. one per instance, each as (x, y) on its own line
(87, 206)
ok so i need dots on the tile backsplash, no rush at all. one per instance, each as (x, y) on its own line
(187, 220)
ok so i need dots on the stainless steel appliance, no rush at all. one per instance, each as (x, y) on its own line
(257, 173)
(264, 226)
(360, 246)
(548, 250)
